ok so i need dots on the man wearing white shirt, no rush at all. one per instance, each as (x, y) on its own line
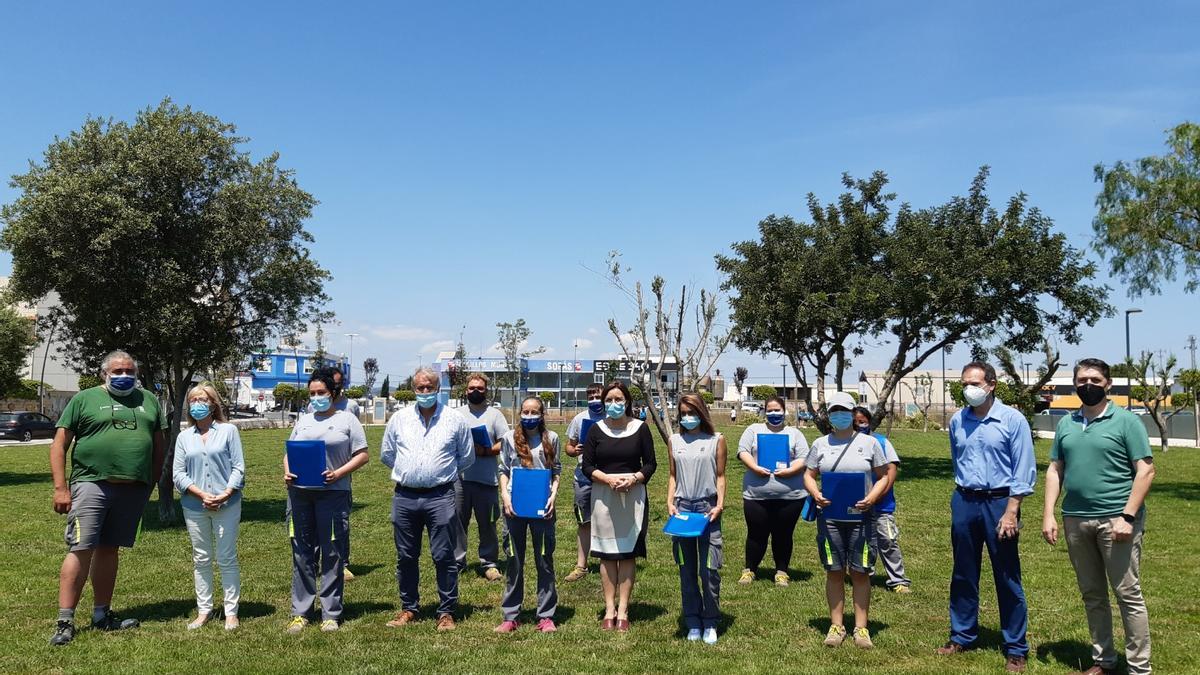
(426, 448)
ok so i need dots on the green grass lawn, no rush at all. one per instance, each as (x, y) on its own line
(765, 629)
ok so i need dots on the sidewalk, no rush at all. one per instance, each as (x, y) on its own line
(1154, 444)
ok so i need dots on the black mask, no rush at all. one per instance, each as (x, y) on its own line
(1090, 394)
(476, 397)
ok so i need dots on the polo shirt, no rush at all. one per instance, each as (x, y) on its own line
(1099, 460)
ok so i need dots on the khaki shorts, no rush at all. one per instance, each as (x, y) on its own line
(105, 514)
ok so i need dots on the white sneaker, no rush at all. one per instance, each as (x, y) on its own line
(710, 636)
(694, 634)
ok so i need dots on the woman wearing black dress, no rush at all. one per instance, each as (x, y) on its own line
(619, 460)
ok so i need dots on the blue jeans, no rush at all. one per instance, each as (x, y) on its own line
(413, 512)
(973, 521)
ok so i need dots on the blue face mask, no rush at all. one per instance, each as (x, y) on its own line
(841, 419)
(427, 401)
(531, 422)
(199, 410)
(775, 417)
(689, 422)
(121, 384)
(320, 403)
(596, 407)
(615, 410)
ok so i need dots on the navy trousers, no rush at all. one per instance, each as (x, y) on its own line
(973, 526)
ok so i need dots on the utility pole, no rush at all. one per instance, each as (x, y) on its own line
(1191, 343)
(350, 375)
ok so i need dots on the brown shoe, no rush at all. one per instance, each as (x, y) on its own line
(1096, 670)
(950, 648)
(402, 619)
(445, 622)
(622, 625)
(608, 624)
(1015, 664)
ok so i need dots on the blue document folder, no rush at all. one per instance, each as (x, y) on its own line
(306, 459)
(583, 429)
(774, 451)
(480, 435)
(686, 524)
(843, 490)
(530, 492)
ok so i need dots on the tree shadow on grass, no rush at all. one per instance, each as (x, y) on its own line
(357, 610)
(7, 478)
(724, 623)
(176, 609)
(919, 468)
(638, 611)
(1189, 492)
(363, 570)
(1070, 653)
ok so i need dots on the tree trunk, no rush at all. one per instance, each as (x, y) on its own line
(177, 394)
(1161, 423)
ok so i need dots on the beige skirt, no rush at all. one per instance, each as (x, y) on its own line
(619, 522)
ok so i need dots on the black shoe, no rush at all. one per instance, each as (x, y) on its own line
(63, 633)
(113, 622)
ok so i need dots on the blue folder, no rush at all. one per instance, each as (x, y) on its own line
(686, 524)
(306, 459)
(843, 490)
(774, 451)
(481, 437)
(530, 492)
(583, 429)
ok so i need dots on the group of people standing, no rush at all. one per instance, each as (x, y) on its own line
(451, 466)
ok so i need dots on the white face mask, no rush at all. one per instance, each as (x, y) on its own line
(975, 396)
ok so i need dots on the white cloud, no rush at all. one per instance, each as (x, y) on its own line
(401, 332)
(430, 349)
(583, 343)
(592, 331)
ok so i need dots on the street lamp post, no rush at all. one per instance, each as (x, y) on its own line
(1128, 360)
(785, 391)
(350, 375)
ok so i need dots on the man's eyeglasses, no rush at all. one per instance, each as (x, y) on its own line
(118, 423)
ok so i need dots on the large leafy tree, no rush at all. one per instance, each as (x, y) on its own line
(17, 337)
(1148, 219)
(925, 279)
(163, 237)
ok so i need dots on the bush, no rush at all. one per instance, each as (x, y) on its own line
(547, 397)
(89, 381)
(747, 417)
(917, 421)
(707, 397)
(404, 395)
(357, 391)
(763, 392)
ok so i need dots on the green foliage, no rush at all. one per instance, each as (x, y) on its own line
(635, 392)
(405, 395)
(547, 397)
(357, 391)
(1122, 370)
(88, 381)
(16, 339)
(1148, 222)
(370, 372)
(1010, 394)
(745, 417)
(385, 389)
(924, 278)
(762, 392)
(918, 422)
(291, 395)
(707, 397)
(27, 390)
(203, 251)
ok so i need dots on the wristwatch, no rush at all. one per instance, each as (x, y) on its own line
(1128, 518)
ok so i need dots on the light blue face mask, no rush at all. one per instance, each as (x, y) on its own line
(320, 403)
(689, 422)
(841, 419)
(427, 401)
(615, 410)
(198, 410)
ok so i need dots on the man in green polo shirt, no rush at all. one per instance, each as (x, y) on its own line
(1101, 457)
(117, 431)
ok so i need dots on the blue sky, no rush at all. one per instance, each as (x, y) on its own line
(471, 159)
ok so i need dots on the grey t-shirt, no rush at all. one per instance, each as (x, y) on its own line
(509, 459)
(574, 429)
(343, 435)
(863, 454)
(695, 458)
(484, 469)
(755, 486)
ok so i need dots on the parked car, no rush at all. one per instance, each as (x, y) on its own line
(24, 425)
(752, 406)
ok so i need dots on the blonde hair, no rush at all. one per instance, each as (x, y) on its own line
(477, 376)
(214, 401)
